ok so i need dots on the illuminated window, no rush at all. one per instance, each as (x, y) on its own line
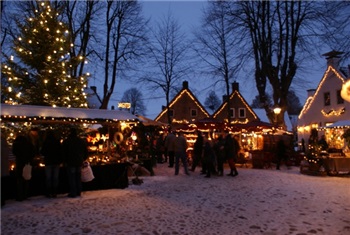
(242, 113)
(327, 99)
(171, 112)
(339, 98)
(193, 112)
(232, 112)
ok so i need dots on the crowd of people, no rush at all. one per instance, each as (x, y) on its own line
(71, 153)
(207, 153)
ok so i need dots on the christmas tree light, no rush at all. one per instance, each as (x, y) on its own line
(41, 71)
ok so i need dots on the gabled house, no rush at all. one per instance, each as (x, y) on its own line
(185, 108)
(324, 105)
(240, 111)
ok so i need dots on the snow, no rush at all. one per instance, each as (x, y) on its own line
(257, 201)
(61, 112)
(261, 113)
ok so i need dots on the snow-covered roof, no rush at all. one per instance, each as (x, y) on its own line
(343, 123)
(62, 112)
(261, 113)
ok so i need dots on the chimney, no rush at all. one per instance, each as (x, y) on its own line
(185, 85)
(333, 58)
(224, 98)
(235, 86)
(311, 92)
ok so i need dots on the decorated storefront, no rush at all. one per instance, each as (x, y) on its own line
(257, 139)
(111, 136)
(323, 122)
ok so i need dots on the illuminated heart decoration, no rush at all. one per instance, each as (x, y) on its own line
(345, 91)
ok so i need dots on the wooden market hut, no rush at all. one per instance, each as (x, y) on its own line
(108, 174)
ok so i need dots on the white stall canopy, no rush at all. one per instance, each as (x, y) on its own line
(47, 113)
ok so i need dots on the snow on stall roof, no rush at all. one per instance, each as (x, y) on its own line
(343, 123)
(61, 112)
(261, 113)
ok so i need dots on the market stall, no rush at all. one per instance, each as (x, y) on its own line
(335, 159)
(107, 132)
(257, 139)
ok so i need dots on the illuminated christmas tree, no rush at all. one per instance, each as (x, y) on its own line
(41, 71)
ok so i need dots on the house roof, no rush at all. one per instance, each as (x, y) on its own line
(53, 113)
(310, 101)
(238, 94)
(184, 91)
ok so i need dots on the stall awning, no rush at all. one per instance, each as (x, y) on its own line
(343, 123)
(53, 113)
(149, 122)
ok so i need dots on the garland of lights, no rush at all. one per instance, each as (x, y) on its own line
(13, 118)
(231, 97)
(185, 91)
(44, 43)
(311, 100)
(333, 112)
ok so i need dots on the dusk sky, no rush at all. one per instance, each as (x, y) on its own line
(188, 14)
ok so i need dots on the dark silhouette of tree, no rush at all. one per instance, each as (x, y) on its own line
(167, 58)
(282, 34)
(80, 21)
(122, 38)
(215, 44)
(293, 103)
(134, 97)
(212, 101)
(256, 102)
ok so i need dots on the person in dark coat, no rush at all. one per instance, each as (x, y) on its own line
(180, 146)
(220, 154)
(170, 147)
(51, 150)
(209, 158)
(323, 143)
(24, 152)
(231, 149)
(160, 149)
(74, 154)
(281, 153)
(197, 151)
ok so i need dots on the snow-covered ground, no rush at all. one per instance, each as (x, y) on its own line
(257, 201)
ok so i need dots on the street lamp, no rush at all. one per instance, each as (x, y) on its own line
(276, 111)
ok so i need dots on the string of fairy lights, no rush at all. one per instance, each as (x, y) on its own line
(43, 49)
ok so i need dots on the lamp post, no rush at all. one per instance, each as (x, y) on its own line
(277, 110)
